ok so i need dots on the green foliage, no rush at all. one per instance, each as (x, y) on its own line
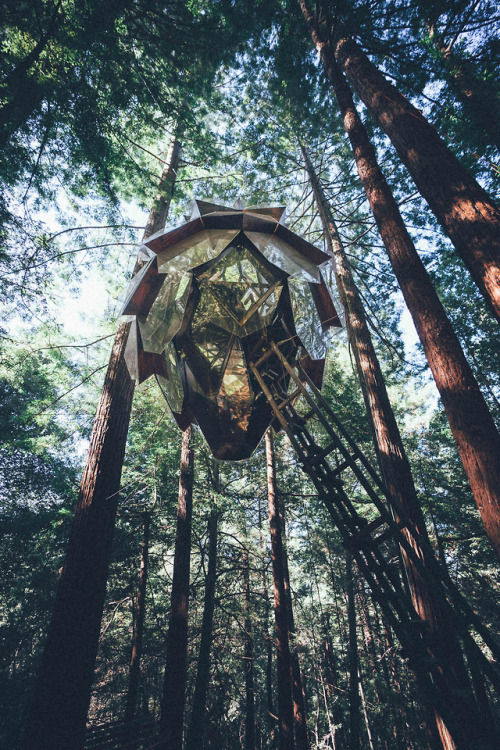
(95, 113)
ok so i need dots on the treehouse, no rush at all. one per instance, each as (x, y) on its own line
(210, 297)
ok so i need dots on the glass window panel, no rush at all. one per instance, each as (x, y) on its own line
(283, 255)
(236, 395)
(211, 308)
(331, 284)
(167, 312)
(307, 322)
(171, 386)
(195, 250)
(239, 292)
(215, 344)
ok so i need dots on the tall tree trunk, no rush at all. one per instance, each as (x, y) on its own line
(391, 455)
(271, 714)
(352, 654)
(473, 428)
(248, 660)
(333, 682)
(135, 661)
(62, 692)
(365, 713)
(285, 700)
(466, 212)
(298, 694)
(197, 726)
(174, 686)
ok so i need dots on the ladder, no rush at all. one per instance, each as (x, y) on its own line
(326, 452)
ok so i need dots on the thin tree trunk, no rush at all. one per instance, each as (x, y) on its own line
(197, 725)
(248, 660)
(390, 450)
(466, 212)
(365, 713)
(62, 693)
(299, 703)
(285, 700)
(174, 686)
(333, 682)
(473, 428)
(372, 640)
(135, 661)
(352, 653)
(271, 714)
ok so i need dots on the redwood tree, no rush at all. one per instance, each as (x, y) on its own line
(62, 692)
(468, 215)
(197, 725)
(392, 458)
(473, 428)
(353, 659)
(298, 694)
(285, 700)
(138, 627)
(248, 658)
(174, 688)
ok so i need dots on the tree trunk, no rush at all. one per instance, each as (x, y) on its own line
(174, 686)
(285, 700)
(392, 458)
(248, 660)
(135, 661)
(389, 447)
(352, 654)
(197, 725)
(333, 682)
(299, 703)
(62, 693)
(473, 428)
(466, 212)
(271, 714)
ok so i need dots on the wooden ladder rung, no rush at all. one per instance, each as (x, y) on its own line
(318, 456)
(343, 466)
(262, 358)
(359, 539)
(289, 399)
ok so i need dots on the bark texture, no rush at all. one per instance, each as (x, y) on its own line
(62, 692)
(285, 700)
(466, 212)
(174, 688)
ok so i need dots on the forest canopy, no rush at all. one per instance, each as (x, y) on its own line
(377, 125)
